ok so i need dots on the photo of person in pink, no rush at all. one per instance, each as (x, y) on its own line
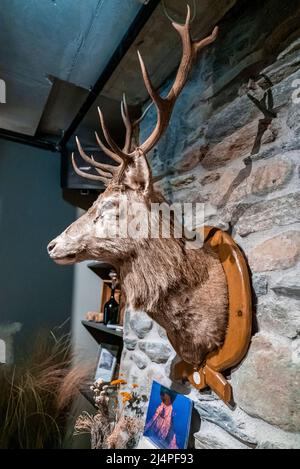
(166, 425)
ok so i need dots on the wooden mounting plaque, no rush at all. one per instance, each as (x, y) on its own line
(238, 332)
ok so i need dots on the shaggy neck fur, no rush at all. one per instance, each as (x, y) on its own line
(183, 290)
(159, 268)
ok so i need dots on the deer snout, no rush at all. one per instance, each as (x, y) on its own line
(53, 249)
(51, 246)
(62, 251)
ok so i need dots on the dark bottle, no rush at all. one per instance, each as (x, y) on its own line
(111, 309)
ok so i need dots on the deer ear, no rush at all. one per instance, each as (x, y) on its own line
(138, 175)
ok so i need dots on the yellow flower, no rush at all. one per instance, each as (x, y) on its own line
(126, 396)
(116, 382)
(135, 385)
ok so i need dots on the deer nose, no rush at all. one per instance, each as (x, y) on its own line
(51, 246)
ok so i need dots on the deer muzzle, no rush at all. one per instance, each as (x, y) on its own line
(60, 253)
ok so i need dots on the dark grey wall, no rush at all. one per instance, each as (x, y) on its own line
(33, 290)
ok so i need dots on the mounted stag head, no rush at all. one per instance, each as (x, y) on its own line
(183, 289)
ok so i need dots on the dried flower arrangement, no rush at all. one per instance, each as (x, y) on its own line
(36, 395)
(117, 422)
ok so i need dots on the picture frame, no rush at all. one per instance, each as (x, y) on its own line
(168, 418)
(106, 364)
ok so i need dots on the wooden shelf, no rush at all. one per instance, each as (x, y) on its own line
(101, 269)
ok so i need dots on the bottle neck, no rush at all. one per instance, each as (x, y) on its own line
(112, 295)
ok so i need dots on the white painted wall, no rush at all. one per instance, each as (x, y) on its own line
(2, 351)
(87, 290)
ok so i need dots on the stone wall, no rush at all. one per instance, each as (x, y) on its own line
(221, 150)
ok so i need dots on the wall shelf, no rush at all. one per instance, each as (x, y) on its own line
(105, 335)
(101, 269)
(99, 326)
(101, 333)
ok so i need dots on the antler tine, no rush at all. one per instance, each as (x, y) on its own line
(164, 106)
(106, 167)
(207, 40)
(103, 173)
(127, 123)
(158, 101)
(87, 175)
(124, 157)
(139, 119)
(190, 49)
(106, 150)
(187, 56)
(92, 161)
(117, 170)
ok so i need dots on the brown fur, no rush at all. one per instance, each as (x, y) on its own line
(183, 290)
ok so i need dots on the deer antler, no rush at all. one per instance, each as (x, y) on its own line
(164, 107)
(108, 172)
(129, 125)
(87, 175)
(105, 171)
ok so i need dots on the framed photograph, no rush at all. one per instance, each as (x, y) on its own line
(107, 362)
(168, 418)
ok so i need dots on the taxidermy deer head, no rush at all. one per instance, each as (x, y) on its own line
(183, 289)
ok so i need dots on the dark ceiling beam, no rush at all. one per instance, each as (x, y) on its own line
(134, 29)
(29, 140)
